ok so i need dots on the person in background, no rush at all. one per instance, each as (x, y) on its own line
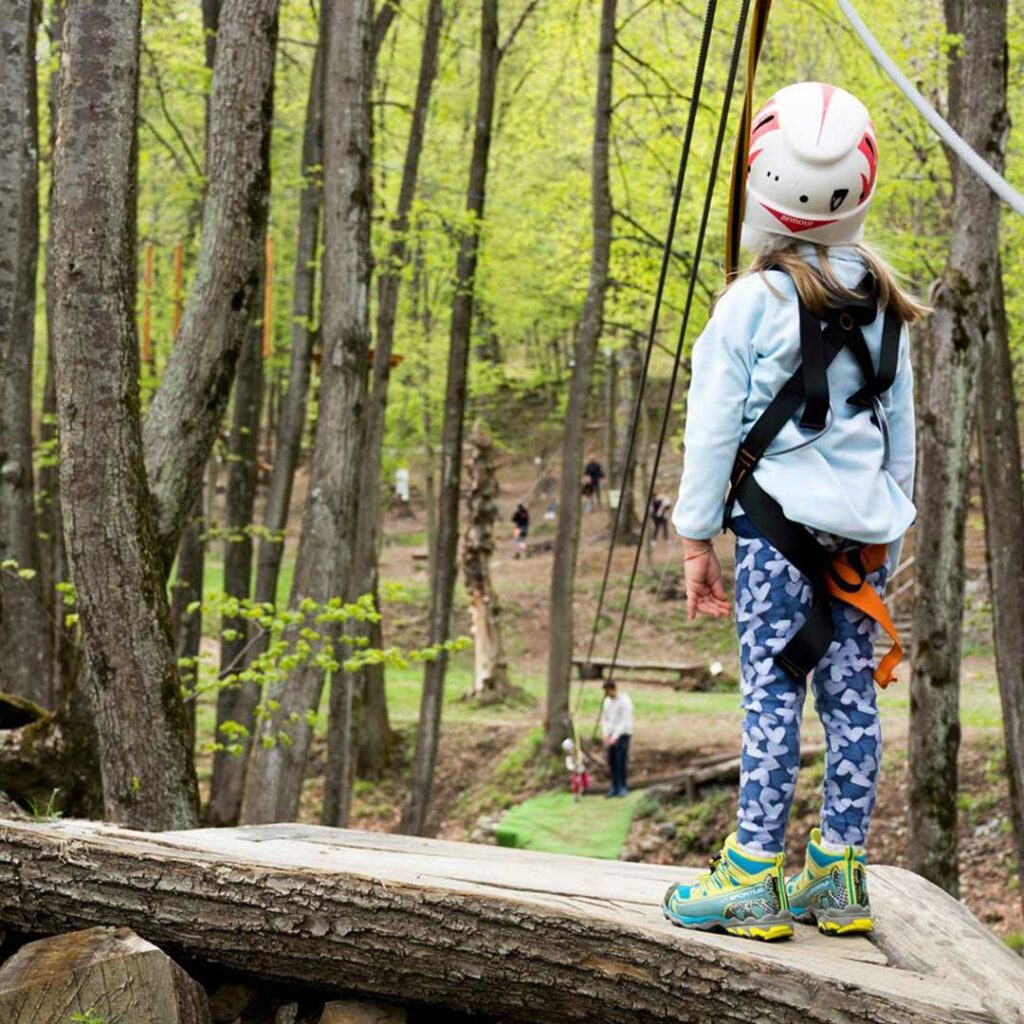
(661, 507)
(521, 522)
(576, 766)
(593, 472)
(617, 731)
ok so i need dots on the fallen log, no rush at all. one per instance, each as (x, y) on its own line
(47, 759)
(484, 929)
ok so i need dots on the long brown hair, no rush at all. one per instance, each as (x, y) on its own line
(819, 289)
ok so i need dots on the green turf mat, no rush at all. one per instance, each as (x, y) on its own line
(593, 827)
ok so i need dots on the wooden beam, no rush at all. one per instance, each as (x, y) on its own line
(484, 929)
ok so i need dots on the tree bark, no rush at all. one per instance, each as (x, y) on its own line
(962, 321)
(444, 570)
(1003, 501)
(187, 410)
(237, 701)
(129, 674)
(326, 550)
(490, 670)
(186, 625)
(492, 931)
(567, 533)
(24, 633)
(370, 681)
(629, 523)
(292, 422)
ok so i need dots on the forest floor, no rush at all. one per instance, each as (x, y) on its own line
(487, 760)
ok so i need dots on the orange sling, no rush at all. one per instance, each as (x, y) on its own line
(847, 582)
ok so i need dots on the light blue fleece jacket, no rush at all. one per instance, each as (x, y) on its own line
(841, 483)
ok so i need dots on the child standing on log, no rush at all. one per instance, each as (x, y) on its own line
(800, 439)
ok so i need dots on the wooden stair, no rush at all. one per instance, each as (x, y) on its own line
(526, 936)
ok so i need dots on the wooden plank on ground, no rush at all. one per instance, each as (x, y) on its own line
(530, 936)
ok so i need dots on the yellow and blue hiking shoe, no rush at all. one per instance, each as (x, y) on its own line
(743, 894)
(832, 890)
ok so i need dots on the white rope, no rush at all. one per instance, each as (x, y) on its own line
(967, 155)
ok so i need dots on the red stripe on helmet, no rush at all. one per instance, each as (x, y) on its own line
(869, 148)
(796, 224)
(827, 92)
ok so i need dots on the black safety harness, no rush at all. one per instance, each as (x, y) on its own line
(821, 340)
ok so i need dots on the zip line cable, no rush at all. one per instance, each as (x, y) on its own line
(939, 124)
(734, 63)
(666, 259)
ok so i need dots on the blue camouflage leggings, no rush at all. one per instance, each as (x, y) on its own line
(772, 599)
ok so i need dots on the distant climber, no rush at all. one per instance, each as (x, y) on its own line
(593, 474)
(661, 509)
(521, 527)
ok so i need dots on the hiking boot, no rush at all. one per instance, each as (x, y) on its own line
(743, 894)
(832, 890)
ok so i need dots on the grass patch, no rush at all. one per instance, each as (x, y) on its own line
(555, 823)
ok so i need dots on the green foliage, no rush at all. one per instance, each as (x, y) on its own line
(89, 1017)
(279, 641)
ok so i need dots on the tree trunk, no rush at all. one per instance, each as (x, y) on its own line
(236, 701)
(611, 447)
(24, 634)
(629, 523)
(490, 670)
(962, 321)
(129, 672)
(369, 512)
(1003, 501)
(186, 625)
(292, 422)
(442, 582)
(187, 410)
(326, 550)
(567, 534)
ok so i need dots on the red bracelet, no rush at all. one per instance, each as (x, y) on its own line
(700, 554)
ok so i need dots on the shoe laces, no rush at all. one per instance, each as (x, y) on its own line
(717, 866)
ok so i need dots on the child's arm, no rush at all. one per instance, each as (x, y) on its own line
(902, 434)
(719, 386)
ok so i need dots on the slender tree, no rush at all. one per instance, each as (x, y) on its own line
(236, 700)
(563, 572)
(129, 673)
(490, 669)
(24, 632)
(963, 320)
(187, 410)
(444, 570)
(630, 363)
(374, 725)
(292, 421)
(1003, 501)
(326, 550)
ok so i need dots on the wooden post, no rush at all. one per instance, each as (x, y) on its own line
(176, 297)
(268, 299)
(147, 307)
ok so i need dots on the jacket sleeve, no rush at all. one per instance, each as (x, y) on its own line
(902, 434)
(719, 386)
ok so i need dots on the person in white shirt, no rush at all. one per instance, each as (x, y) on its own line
(617, 731)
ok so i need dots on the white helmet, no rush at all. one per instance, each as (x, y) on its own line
(812, 167)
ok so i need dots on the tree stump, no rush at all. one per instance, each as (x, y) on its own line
(121, 978)
(490, 670)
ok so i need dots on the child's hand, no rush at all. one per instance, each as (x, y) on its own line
(704, 590)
